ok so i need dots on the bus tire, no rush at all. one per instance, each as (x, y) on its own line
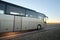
(39, 27)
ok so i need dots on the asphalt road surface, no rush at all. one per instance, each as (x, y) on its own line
(51, 32)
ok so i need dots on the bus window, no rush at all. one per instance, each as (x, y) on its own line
(31, 14)
(2, 8)
(16, 10)
(14, 13)
(1, 11)
(45, 19)
(27, 15)
(39, 17)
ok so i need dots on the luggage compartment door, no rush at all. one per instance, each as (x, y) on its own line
(17, 23)
(6, 23)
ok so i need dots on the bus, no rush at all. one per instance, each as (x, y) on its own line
(16, 18)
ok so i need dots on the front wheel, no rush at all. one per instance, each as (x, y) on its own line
(39, 27)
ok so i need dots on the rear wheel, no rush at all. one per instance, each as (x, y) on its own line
(39, 27)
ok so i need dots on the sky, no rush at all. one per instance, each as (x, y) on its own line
(50, 8)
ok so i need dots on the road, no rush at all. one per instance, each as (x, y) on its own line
(51, 32)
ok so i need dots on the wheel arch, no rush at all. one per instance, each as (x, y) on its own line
(39, 25)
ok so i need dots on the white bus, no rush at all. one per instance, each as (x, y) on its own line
(17, 18)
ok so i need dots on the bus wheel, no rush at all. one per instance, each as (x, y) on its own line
(39, 27)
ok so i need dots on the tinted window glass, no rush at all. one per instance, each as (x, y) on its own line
(31, 14)
(15, 10)
(40, 16)
(2, 8)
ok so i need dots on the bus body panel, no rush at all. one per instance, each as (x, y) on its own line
(6, 23)
(25, 23)
(17, 23)
(30, 23)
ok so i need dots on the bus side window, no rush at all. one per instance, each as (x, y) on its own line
(14, 13)
(1, 11)
(26, 15)
(2, 8)
(15, 10)
(31, 15)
